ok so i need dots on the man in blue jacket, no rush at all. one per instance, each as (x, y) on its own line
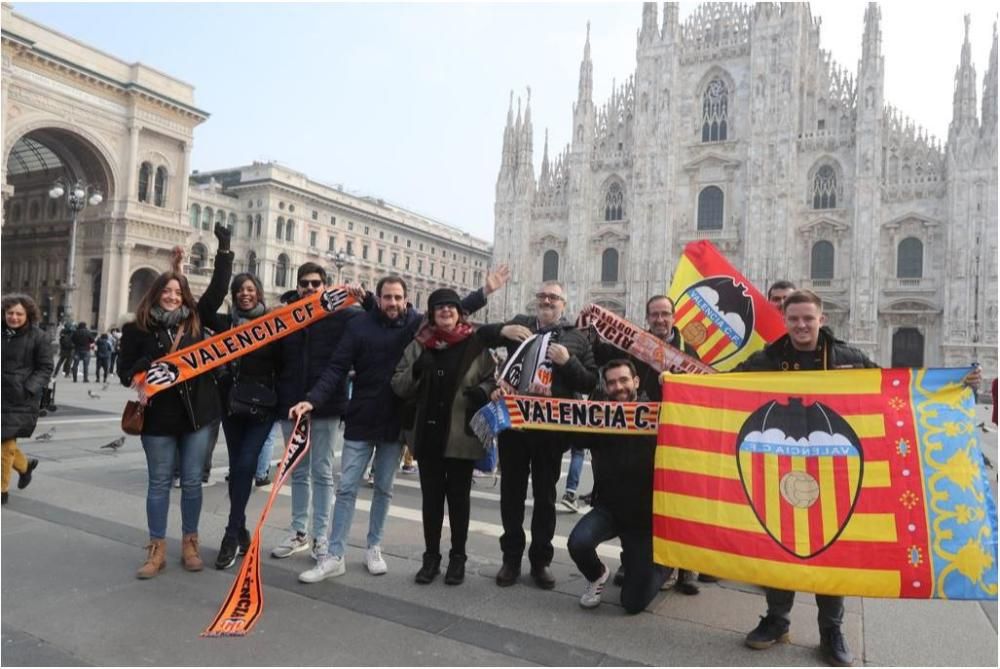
(372, 346)
(303, 356)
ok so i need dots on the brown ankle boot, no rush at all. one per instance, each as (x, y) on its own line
(156, 559)
(189, 553)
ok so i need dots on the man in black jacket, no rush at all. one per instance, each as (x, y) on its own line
(538, 453)
(622, 505)
(808, 345)
(83, 340)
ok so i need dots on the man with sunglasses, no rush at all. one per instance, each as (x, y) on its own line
(538, 453)
(303, 357)
(371, 346)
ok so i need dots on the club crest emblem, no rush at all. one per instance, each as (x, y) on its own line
(162, 374)
(331, 300)
(716, 317)
(801, 468)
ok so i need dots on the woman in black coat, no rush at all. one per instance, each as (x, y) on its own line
(247, 392)
(27, 368)
(178, 420)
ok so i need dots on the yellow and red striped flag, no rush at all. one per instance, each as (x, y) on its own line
(861, 482)
(718, 311)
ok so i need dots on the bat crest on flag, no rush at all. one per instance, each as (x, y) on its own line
(716, 317)
(801, 468)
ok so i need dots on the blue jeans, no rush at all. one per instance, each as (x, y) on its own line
(267, 450)
(160, 451)
(314, 473)
(353, 461)
(244, 437)
(576, 458)
(84, 357)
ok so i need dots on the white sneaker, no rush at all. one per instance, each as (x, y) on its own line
(326, 566)
(373, 560)
(591, 597)
(319, 549)
(295, 543)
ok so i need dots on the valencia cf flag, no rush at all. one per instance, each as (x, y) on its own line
(718, 311)
(862, 482)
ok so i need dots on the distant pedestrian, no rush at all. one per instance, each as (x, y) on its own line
(178, 421)
(116, 341)
(83, 341)
(27, 368)
(103, 356)
(65, 350)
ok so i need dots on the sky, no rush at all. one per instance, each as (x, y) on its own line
(408, 102)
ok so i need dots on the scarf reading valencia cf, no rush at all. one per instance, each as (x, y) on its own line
(528, 371)
(244, 604)
(208, 354)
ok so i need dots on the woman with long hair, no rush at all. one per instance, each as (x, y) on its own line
(27, 368)
(178, 421)
(247, 392)
(448, 372)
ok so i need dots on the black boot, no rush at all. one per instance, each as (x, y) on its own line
(430, 570)
(456, 570)
(685, 583)
(24, 479)
(227, 552)
(833, 647)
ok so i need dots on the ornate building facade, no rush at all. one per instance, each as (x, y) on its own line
(76, 114)
(738, 128)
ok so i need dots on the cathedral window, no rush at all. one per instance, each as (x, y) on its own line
(312, 238)
(232, 223)
(550, 266)
(257, 226)
(198, 256)
(206, 218)
(145, 171)
(160, 187)
(821, 267)
(609, 266)
(715, 112)
(824, 188)
(281, 271)
(252, 263)
(614, 202)
(290, 231)
(220, 217)
(195, 215)
(910, 259)
(710, 208)
(280, 228)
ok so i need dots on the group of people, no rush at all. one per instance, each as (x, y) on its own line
(417, 379)
(78, 342)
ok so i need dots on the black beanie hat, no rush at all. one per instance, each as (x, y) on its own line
(443, 296)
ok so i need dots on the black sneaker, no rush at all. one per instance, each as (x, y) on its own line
(24, 479)
(227, 552)
(833, 647)
(261, 481)
(770, 631)
(686, 583)
(244, 539)
(619, 577)
(3, 498)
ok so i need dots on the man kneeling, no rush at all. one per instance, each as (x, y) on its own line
(622, 505)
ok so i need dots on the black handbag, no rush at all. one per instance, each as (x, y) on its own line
(251, 398)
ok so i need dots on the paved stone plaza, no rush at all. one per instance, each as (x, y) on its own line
(72, 541)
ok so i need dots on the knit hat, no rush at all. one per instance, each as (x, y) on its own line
(443, 296)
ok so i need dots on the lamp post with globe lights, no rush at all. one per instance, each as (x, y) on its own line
(339, 260)
(78, 196)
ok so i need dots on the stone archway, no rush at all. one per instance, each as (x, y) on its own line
(141, 281)
(907, 347)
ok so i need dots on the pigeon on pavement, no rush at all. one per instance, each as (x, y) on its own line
(116, 444)
(45, 436)
(92, 395)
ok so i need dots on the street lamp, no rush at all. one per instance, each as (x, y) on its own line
(76, 200)
(339, 259)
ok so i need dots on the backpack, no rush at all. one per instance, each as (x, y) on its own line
(66, 339)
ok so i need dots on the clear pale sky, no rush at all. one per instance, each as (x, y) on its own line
(408, 101)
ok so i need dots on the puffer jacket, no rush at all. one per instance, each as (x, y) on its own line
(831, 353)
(416, 378)
(27, 368)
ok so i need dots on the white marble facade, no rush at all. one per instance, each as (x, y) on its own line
(737, 127)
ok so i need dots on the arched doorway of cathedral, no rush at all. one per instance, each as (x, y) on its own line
(36, 227)
(138, 284)
(907, 348)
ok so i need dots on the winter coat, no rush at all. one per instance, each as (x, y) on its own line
(259, 366)
(82, 339)
(470, 384)
(27, 368)
(649, 378)
(831, 353)
(104, 348)
(66, 341)
(303, 356)
(577, 376)
(181, 409)
(372, 345)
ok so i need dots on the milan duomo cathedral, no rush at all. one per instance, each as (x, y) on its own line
(737, 127)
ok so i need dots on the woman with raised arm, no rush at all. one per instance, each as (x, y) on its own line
(178, 421)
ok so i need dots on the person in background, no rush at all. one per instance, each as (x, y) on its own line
(178, 421)
(27, 368)
(103, 355)
(262, 476)
(65, 350)
(116, 341)
(778, 291)
(83, 341)
(569, 499)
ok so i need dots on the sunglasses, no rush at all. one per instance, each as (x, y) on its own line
(551, 297)
(310, 283)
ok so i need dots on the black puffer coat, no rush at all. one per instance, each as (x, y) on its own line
(831, 353)
(27, 368)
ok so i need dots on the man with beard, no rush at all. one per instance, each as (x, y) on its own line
(622, 504)
(537, 453)
(660, 322)
(778, 291)
(371, 346)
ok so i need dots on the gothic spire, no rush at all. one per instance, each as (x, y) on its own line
(649, 30)
(671, 18)
(525, 143)
(508, 135)
(990, 90)
(586, 89)
(964, 101)
(871, 43)
(543, 177)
